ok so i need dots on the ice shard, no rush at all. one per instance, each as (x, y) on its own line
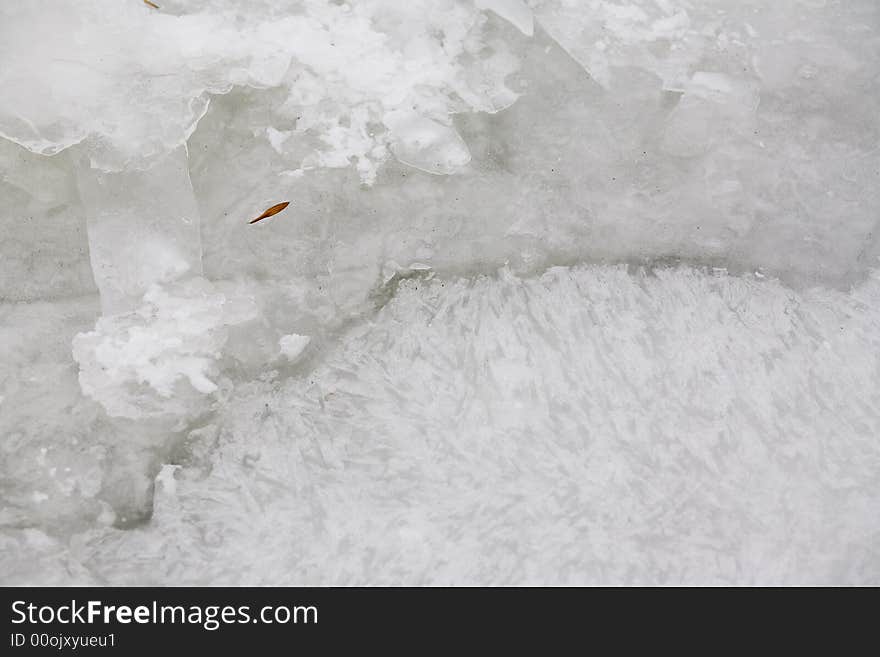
(143, 228)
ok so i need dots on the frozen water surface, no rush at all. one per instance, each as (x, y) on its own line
(567, 292)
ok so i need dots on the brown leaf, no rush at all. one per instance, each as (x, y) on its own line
(275, 209)
(151, 4)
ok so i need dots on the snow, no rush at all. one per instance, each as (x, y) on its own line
(568, 291)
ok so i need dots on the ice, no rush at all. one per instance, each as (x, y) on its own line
(44, 250)
(143, 228)
(293, 345)
(130, 83)
(590, 425)
(515, 11)
(567, 291)
(426, 144)
(150, 361)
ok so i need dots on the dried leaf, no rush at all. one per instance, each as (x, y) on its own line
(275, 209)
(151, 4)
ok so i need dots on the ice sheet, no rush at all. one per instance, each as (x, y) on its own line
(567, 291)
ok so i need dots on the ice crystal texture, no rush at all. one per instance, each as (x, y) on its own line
(568, 291)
